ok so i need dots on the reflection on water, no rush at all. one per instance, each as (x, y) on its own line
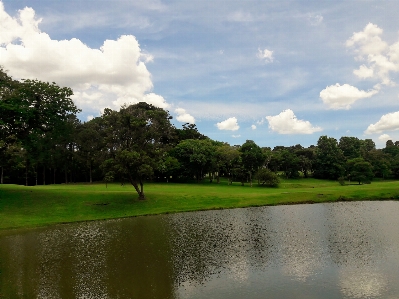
(340, 250)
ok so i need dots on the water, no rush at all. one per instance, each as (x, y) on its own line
(336, 250)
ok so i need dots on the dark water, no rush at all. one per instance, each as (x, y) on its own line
(340, 250)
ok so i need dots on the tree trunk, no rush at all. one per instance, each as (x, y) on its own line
(26, 173)
(91, 180)
(140, 191)
(44, 175)
(1, 176)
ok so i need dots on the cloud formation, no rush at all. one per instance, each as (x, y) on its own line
(343, 96)
(110, 76)
(381, 58)
(229, 124)
(265, 55)
(384, 137)
(387, 122)
(184, 117)
(287, 123)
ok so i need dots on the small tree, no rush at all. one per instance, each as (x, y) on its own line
(267, 178)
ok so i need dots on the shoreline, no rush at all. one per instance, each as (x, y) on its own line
(40, 206)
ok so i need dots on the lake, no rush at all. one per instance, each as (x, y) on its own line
(332, 250)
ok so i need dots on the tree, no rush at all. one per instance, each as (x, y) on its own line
(359, 170)
(350, 147)
(195, 156)
(329, 163)
(267, 177)
(252, 157)
(225, 156)
(136, 138)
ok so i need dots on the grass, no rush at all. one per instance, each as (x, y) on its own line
(33, 206)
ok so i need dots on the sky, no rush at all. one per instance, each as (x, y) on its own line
(275, 72)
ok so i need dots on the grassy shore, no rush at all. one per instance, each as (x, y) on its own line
(22, 206)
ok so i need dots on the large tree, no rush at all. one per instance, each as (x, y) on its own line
(252, 158)
(136, 138)
(330, 160)
(29, 110)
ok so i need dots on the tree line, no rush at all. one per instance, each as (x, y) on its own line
(43, 142)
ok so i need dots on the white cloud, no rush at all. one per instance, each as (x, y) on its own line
(384, 137)
(287, 123)
(156, 100)
(236, 136)
(381, 58)
(315, 19)
(253, 127)
(387, 122)
(343, 96)
(229, 124)
(364, 72)
(110, 76)
(184, 117)
(266, 55)
(368, 41)
(89, 117)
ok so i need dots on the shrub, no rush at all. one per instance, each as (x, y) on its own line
(341, 181)
(267, 178)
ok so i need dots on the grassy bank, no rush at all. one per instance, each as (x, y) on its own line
(22, 206)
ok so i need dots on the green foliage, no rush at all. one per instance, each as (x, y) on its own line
(329, 163)
(267, 178)
(195, 156)
(359, 170)
(136, 138)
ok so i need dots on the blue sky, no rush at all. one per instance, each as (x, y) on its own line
(276, 72)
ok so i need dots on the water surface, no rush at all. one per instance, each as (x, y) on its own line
(334, 250)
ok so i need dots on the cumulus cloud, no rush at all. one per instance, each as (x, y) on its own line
(229, 124)
(287, 123)
(388, 122)
(384, 137)
(265, 55)
(343, 96)
(381, 58)
(184, 117)
(110, 76)
(253, 127)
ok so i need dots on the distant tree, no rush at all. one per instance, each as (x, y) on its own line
(359, 170)
(306, 158)
(136, 138)
(330, 160)
(350, 147)
(188, 131)
(380, 162)
(195, 156)
(90, 140)
(290, 164)
(252, 157)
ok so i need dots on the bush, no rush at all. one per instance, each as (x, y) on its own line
(341, 181)
(267, 178)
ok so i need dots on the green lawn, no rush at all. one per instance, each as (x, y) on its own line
(22, 206)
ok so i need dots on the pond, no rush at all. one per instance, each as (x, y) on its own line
(335, 250)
